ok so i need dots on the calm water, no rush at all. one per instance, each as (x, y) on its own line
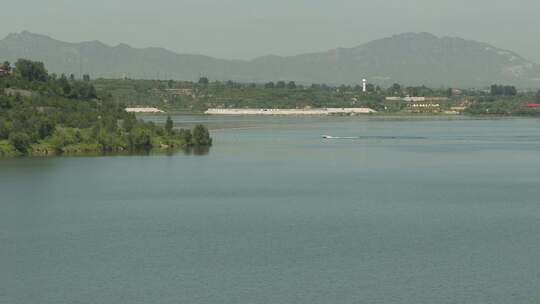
(413, 211)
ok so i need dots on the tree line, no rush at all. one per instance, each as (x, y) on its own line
(502, 90)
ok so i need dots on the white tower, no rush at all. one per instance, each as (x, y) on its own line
(364, 88)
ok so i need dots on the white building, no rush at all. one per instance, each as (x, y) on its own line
(143, 110)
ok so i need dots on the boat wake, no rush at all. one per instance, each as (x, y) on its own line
(340, 137)
(372, 137)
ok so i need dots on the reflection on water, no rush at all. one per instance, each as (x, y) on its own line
(197, 150)
(189, 150)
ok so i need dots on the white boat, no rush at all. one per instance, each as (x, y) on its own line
(337, 137)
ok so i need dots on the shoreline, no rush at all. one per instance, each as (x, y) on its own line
(374, 114)
(187, 150)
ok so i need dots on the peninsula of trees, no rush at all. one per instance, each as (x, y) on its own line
(48, 114)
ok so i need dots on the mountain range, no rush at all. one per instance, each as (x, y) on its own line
(410, 58)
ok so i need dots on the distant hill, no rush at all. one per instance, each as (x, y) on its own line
(411, 58)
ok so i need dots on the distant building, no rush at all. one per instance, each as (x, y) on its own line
(297, 112)
(416, 98)
(422, 107)
(425, 105)
(143, 110)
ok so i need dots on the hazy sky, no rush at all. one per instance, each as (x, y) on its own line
(250, 28)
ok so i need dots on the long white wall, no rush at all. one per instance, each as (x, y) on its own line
(323, 111)
(143, 110)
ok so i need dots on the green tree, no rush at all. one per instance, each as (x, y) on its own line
(269, 85)
(186, 135)
(204, 81)
(500, 90)
(46, 128)
(510, 91)
(63, 137)
(64, 84)
(5, 103)
(395, 89)
(169, 124)
(81, 90)
(538, 96)
(6, 66)
(109, 141)
(370, 87)
(201, 136)
(6, 127)
(129, 122)
(31, 70)
(140, 138)
(20, 141)
(496, 90)
(291, 85)
(280, 85)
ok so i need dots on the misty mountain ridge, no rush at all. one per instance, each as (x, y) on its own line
(410, 58)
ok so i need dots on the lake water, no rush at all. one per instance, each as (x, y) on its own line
(412, 211)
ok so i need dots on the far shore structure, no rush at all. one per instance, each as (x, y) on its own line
(322, 111)
(143, 110)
